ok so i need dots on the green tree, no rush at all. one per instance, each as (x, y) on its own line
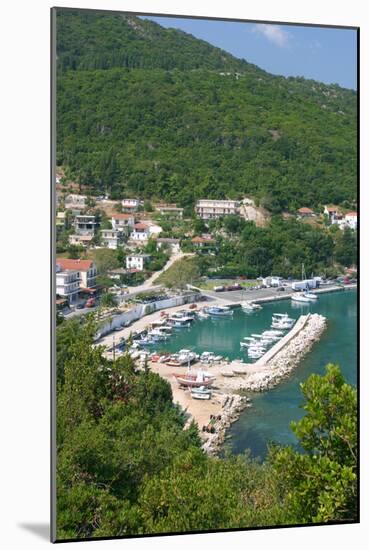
(321, 482)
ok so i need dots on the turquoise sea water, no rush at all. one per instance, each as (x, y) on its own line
(269, 418)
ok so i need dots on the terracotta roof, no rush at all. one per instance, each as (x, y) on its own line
(351, 214)
(140, 226)
(332, 208)
(122, 216)
(202, 240)
(75, 265)
(305, 210)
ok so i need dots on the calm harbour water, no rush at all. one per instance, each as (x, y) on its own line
(270, 416)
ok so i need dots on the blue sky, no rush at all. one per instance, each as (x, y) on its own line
(324, 54)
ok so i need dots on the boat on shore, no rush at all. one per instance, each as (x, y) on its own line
(195, 380)
(201, 393)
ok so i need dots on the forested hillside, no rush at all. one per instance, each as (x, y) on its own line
(156, 112)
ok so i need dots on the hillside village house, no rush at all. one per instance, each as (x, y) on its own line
(351, 220)
(169, 210)
(67, 284)
(333, 213)
(80, 240)
(75, 201)
(86, 269)
(203, 242)
(141, 232)
(172, 244)
(305, 212)
(210, 209)
(111, 238)
(131, 205)
(61, 222)
(84, 225)
(122, 222)
(137, 261)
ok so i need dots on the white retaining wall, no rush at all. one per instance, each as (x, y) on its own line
(140, 310)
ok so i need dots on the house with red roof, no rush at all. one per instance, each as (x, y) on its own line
(85, 268)
(141, 232)
(203, 242)
(122, 222)
(305, 212)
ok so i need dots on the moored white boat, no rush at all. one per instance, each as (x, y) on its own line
(250, 306)
(300, 298)
(219, 310)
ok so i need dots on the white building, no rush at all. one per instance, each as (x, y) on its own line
(84, 225)
(272, 281)
(209, 209)
(131, 205)
(122, 222)
(333, 213)
(67, 283)
(141, 232)
(351, 220)
(86, 269)
(137, 261)
(111, 238)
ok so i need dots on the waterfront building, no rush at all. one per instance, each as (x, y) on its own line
(86, 269)
(137, 261)
(67, 284)
(209, 209)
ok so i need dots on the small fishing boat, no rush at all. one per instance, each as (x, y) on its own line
(202, 315)
(301, 298)
(220, 311)
(194, 379)
(311, 296)
(250, 306)
(201, 393)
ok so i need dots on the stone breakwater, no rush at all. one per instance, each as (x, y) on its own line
(232, 406)
(264, 376)
(288, 358)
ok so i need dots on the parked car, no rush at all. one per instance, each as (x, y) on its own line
(81, 305)
(90, 302)
(219, 288)
(280, 289)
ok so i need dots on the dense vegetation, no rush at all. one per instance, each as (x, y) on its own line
(243, 249)
(144, 110)
(126, 465)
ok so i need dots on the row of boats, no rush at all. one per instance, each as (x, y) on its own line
(257, 344)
